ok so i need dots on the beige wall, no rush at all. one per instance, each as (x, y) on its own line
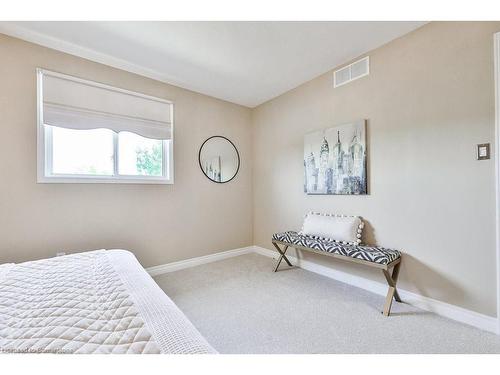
(429, 99)
(160, 223)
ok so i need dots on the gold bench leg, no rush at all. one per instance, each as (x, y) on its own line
(392, 279)
(388, 301)
(395, 275)
(282, 256)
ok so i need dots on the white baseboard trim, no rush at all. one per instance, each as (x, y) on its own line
(192, 262)
(481, 321)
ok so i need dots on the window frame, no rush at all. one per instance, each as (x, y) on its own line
(44, 146)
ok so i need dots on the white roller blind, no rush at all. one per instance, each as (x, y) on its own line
(74, 103)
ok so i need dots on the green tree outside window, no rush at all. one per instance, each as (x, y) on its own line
(149, 160)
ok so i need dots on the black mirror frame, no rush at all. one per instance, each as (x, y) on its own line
(237, 154)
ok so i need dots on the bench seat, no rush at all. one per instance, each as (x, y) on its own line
(373, 254)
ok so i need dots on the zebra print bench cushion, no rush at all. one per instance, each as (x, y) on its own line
(374, 254)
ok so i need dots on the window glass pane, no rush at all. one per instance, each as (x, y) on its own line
(139, 156)
(87, 152)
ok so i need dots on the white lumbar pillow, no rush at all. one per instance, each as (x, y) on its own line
(340, 228)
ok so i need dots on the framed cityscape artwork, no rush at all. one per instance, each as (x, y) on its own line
(335, 160)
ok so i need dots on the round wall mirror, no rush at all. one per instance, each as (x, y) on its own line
(219, 159)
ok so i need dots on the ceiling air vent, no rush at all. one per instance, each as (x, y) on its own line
(351, 72)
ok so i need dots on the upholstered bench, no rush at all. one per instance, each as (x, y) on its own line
(348, 249)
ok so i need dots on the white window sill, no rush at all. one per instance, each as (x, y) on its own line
(103, 180)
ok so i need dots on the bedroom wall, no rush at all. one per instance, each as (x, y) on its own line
(429, 99)
(159, 223)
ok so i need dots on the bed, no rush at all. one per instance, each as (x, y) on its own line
(99, 301)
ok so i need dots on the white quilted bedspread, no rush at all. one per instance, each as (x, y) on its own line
(93, 302)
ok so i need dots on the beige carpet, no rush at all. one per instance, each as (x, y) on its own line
(240, 306)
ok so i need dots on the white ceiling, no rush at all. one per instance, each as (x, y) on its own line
(242, 62)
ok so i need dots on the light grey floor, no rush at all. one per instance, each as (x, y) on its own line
(240, 306)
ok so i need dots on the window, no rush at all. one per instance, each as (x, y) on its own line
(93, 133)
